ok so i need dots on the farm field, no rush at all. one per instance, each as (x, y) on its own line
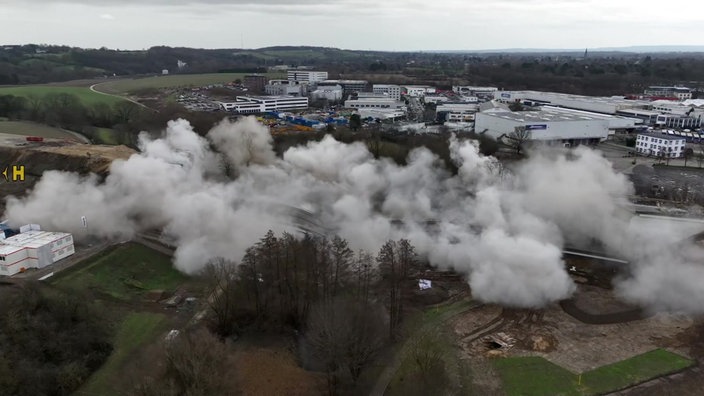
(124, 272)
(28, 128)
(124, 86)
(86, 96)
(535, 376)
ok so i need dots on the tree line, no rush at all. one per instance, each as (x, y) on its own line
(344, 305)
(126, 119)
(50, 341)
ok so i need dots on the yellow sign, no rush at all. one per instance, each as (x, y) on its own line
(14, 173)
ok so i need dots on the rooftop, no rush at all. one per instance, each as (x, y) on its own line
(661, 136)
(548, 115)
(30, 239)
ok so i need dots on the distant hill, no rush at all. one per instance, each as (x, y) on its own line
(631, 49)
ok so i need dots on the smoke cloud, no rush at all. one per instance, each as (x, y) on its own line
(504, 228)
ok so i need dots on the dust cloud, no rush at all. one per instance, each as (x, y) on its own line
(504, 228)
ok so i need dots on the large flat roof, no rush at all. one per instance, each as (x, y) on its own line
(616, 100)
(31, 239)
(547, 115)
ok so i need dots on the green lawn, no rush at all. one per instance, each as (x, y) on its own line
(28, 128)
(634, 370)
(124, 86)
(136, 330)
(535, 376)
(106, 136)
(86, 96)
(123, 272)
(408, 377)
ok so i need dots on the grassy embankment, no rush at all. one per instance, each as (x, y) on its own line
(119, 277)
(535, 376)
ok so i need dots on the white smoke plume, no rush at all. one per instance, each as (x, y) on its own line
(217, 196)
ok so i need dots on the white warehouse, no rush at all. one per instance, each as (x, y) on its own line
(660, 145)
(33, 248)
(548, 126)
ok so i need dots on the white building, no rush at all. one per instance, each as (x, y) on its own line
(435, 99)
(261, 104)
(458, 112)
(549, 126)
(417, 90)
(392, 90)
(33, 248)
(329, 92)
(286, 88)
(681, 93)
(307, 75)
(469, 90)
(375, 103)
(348, 86)
(382, 114)
(659, 144)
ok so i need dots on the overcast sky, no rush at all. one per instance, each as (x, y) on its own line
(396, 25)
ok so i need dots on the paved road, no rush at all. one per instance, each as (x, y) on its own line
(92, 88)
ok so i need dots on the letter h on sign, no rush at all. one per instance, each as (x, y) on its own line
(17, 173)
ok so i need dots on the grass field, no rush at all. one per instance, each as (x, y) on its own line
(535, 376)
(86, 96)
(106, 136)
(407, 378)
(124, 86)
(136, 330)
(27, 128)
(123, 272)
(634, 370)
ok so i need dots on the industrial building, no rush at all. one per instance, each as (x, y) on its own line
(417, 90)
(254, 82)
(286, 88)
(435, 99)
(348, 86)
(547, 125)
(604, 105)
(33, 248)
(307, 75)
(329, 92)
(261, 104)
(381, 114)
(468, 90)
(456, 111)
(392, 90)
(681, 93)
(658, 144)
(375, 102)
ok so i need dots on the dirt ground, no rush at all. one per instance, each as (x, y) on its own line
(564, 340)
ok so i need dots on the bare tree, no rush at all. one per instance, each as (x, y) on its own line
(518, 138)
(687, 154)
(364, 273)
(191, 363)
(223, 296)
(396, 260)
(425, 349)
(344, 335)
